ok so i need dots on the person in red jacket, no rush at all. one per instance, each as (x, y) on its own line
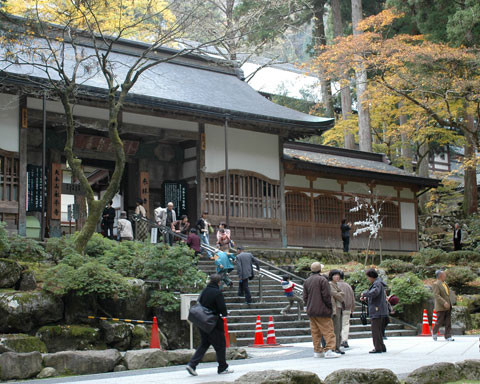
(194, 241)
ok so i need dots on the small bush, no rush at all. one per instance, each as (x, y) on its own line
(128, 257)
(60, 247)
(430, 256)
(4, 241)
(463, 257)
(303, 264)
(359, 282)
(98, 245)
(410, 290)
(24, 249)
(459, 276)
(396, 266)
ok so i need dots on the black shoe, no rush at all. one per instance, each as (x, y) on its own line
(339, 351)
(375, 351)
(384, 349)
(345, 345)
(191, 370)
(384, 337)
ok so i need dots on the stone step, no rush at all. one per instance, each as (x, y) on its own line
(245, 341)
(266, 304)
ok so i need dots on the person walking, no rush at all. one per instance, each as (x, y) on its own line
(457, 238)
(443, 306)
(245, 261)
(377, 308)
(345, 229)
(349, 307)
(316, 295)
(223, 262)
(223, 239)
(124, 227)
(109, 219)
(288, 286)
(194, 242)
(212, 298)
(182, 226)
(203, 228)
(338, 299)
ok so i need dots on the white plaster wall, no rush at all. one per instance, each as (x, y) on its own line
(247, 150)
(407, 212)
(190, 152)
(159, 122)
(189, 169)
(296, 181)
(78, 110)
(354, 187)
(385, 190)
(9, 124)
(406, 193)
(327, 184)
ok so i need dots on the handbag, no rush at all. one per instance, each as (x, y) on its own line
(363, 315)
(202, 317)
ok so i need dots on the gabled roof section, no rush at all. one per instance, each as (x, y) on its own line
(339, 161)
(193, 82)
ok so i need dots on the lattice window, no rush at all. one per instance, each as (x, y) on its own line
(327, 209)
(353, 216)
(298, 207)
(390, 213)
(9, 166)
(251, 196)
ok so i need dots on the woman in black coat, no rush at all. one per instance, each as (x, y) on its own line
(377, 308)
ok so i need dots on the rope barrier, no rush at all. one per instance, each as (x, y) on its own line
(117, 319)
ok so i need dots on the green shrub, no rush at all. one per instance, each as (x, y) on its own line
(430, 256)
(59, 247)
(128, 257)
(303, 264)
(25, 249)
(410, 290)
(459, 276)
(396, 266)
(98, 245)
(359, 282)
(4, 240)
(463, 257)
(176, 271)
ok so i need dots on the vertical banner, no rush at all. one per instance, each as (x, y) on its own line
(145, 190)
(56, 191)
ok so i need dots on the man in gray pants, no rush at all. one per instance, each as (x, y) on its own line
(245, 261)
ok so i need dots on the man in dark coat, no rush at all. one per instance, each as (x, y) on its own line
(377, 308)
(108, 219)
(345, 229)
(317, 297)
(245, 261)
(212, 298)
(457, 238)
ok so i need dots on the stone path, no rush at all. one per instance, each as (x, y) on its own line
(404, 355)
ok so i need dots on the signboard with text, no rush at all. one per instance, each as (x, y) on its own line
(56, 191)
(34, 188)
(175, 192)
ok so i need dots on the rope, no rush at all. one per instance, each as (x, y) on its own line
(117, 319)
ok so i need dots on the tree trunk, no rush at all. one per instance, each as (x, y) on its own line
(423, 171)
(368, 250)
(319, 38)
(470, 195)
(345, 95)
(364, 133)
(406, 150)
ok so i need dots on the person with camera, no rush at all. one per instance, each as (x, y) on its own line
(377, 308)
(212, 299)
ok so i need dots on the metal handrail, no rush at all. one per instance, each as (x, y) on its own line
(270, 265)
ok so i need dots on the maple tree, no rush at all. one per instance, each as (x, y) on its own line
(71, 41)
(441, 81)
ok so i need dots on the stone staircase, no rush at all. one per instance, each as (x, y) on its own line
(288, 329)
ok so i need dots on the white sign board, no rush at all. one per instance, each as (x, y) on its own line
(186, 300)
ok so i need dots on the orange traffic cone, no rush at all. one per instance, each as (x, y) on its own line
(155, 339)
(258, 333)
(434, 321)
(227, 337)
(271, 340)
(425, 325)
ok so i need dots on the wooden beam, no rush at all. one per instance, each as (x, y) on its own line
(283, 214)
(201, 185)
(22, 169)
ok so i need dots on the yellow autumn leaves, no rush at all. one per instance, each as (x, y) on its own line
(143, 20)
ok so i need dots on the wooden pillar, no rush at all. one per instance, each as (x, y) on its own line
(283, 215)
(22, 170)
(201, 185)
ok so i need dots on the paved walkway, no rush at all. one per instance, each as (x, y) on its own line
(404, 355)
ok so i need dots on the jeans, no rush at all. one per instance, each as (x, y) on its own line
(243, 289)
(205, 240)
(226, 280)
(291, 301)
(216, 338)
(168, 238)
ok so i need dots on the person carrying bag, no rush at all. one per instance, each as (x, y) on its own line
(205, 315)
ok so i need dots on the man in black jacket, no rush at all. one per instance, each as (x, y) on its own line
(212, 298)
(109, 219)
